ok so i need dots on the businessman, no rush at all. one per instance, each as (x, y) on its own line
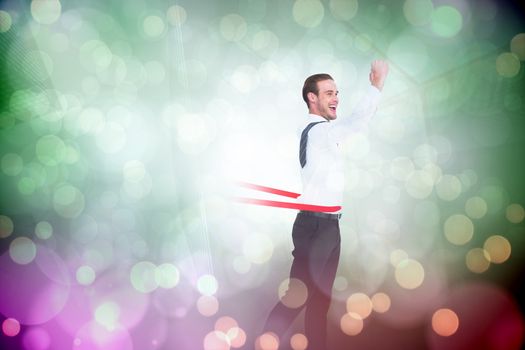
(316, 235)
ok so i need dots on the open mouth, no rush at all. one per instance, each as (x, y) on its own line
(332, 108)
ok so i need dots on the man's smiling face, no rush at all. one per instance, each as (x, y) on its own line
(325, 102)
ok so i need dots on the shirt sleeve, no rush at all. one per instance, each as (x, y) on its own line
(360, 116)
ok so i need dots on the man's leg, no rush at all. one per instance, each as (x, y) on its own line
(324, 260)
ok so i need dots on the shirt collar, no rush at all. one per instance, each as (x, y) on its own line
(316, 118)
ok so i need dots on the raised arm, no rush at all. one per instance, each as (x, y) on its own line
(366, 107)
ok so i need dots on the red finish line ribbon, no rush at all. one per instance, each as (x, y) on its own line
(279, 204)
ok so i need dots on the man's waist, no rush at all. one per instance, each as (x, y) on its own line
(330, 216)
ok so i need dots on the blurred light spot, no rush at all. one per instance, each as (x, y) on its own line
(95, 56)
(397, 256)
(45, 11)
(225, 324)
(50, 150)
(293, 293)
(237, 337)
(340, 283)
(12, 164)
(298, 341)
(142, 277)
(108, 315)
(409, 52)
(344, 9)
(245, 79)
(11, 327)
(448, 187)
(419, 184)
(477, 260)
(241, 264)
(508, 64)
(36, 338)
(418, 12)
(167, 275)
(469, 178)
(267, 341)
(308, 13)
(26, 185)
(43, 230)
(360, 304)
(91, 120)
(257, 248)
(351, 324)
(401, 168)
(6, 226)
(515, 213)
(495, 196)
(363, 42)
(22, 250)
(233, 27)
(498, 249)
(446, 21)
(176, 15)
(208, 305)
(445, 322)
(380, 302)
(425, 154)
(476, 207)
(409, 274)
(458, 229)
(68, 201)
(207, 285)
(5, 21)
(517, 46)
(265, 42)
(85, 275)
(433, 170)
(216, 341)
(153, 26)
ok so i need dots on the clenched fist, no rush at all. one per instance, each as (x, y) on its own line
(378, 73)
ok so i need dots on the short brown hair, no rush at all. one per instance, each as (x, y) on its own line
(310, 85)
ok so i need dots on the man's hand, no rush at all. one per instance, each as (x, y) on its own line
(378, 73)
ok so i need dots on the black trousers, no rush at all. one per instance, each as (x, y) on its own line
(317, 245)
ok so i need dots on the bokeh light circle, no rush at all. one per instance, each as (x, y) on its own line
(22, 250)
(458, 229)
(46, 11)
(50, 150)
(445, 322)
(517, 46)
(515, 213)
(381, 302)
(293, 293)
(418, 12)
(207, 305)
(257, 248)
(207, 285)
(167, 275)
(267, 341)
(448, 187)
(68, 201)
(142, 277)
(298, 341)
(344, 9)
(498, 249)
(43, 230)
(5, 21)
(476, 207)
(36, 338)
(308, 13)
(6, 226)
(409, 274)
(176, 15)
(11, 327)
(85, 275)
(446, 21)
(477, 260)
(153, 26)
(360, 304)
(216, 340)
(233, 27)
(508, 64)
(351, 324)
(12, 164)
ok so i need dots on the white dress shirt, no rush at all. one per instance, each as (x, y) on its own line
(322, 176)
